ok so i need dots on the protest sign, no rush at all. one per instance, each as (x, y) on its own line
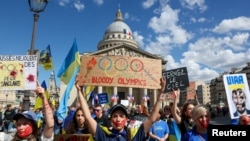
(103, 98)
(18, 72)
(120, 71)
(73, 137)
(176, 78)
(238, 95)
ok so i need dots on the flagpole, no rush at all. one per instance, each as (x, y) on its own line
(55, 80)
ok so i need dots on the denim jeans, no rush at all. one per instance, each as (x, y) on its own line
(8, 126)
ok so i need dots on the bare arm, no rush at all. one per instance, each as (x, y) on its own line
(86, 112)
(154, 136)
(153, 116)
(49, 119)
(174, 109)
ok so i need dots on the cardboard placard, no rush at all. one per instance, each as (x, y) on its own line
(73, 137)
(18, 72)
(176, 78)
(120, 71)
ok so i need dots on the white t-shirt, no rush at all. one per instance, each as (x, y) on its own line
(8, 137)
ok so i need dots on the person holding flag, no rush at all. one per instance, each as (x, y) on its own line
(26, 123)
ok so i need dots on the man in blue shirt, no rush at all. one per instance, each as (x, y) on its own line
(159, 131)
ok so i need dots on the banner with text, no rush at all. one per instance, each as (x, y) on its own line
(18, 72)
(120, 71)
(73, 137)
(176, 78)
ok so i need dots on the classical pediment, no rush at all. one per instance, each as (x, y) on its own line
(126, 50)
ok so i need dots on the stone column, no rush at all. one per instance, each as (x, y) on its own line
(114, 97)
(130, 97)
(99, 89)
(145, 97)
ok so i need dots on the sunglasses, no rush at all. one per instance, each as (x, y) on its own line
(167, 109)
(97, 110)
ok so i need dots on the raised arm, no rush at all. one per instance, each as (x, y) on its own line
(86, 112)
(153, 116)
(174, 109)
(49, 119)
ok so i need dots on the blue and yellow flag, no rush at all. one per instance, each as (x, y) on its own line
(87, 91)
(70, 64)
(39, 102)
(63, 104)
(46, 59)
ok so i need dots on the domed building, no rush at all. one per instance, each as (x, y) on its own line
(118, 40)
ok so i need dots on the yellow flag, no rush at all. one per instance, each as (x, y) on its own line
(39, 102)
(87, 91)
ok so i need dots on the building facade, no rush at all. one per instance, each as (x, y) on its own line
(118, 40)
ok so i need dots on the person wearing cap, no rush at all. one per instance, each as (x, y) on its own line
(26, 123)
(201, 118)
(119, 118)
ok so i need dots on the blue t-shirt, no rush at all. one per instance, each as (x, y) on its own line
(160, 129)
(192, 135)
(101, 135)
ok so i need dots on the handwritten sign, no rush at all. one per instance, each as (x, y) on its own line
(18, 72)
(121, 71)
(73, 137)
(176, 78)
(103, 98)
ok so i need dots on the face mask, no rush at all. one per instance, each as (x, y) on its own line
(27, 131)
(203, 123)
(246, 121)
(122, 123)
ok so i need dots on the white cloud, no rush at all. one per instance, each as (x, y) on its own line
(79, 6)
(167, 25)
(192, 4)
(99, 2)
(201, 20)
(148, 3)
(130, 17)
(227, 25)
(215, 54)
(63, 2)
(138, 38)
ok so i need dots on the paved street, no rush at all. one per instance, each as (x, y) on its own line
(221, 120)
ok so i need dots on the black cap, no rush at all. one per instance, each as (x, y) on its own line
(119, 107)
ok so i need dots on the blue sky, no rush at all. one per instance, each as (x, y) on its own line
(209, 37)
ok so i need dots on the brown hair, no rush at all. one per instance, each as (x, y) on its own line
(72, 127)
(184, 109)
(32, 136)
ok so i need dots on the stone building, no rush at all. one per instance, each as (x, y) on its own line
(118, 40)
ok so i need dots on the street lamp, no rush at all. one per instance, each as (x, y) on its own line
(36, 6)
(6, 98)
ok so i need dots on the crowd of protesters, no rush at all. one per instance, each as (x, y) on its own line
(170, 123)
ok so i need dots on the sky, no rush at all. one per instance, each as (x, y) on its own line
(208, 37)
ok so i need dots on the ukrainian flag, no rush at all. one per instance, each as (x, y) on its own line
(46, 59)
(70, 64)
(39, 101)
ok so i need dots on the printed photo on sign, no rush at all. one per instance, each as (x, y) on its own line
(176, 78)
(238, 95)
